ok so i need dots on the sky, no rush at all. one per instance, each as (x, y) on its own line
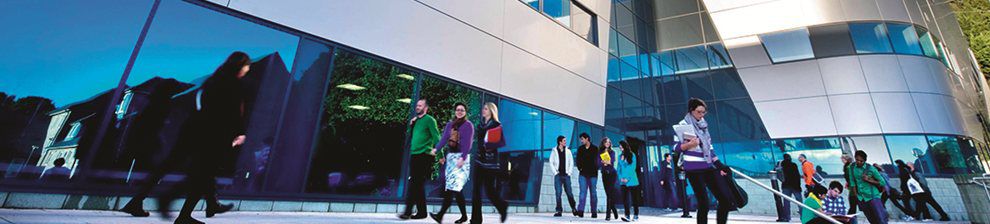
(72, 50)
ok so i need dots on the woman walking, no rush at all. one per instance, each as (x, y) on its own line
(609, 178)
(892, 194)
(628, 178)
(914, 183)
(456, 140)
(701, 164)
(214, 128)
(490, 138)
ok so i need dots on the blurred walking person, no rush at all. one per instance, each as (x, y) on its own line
(562, 164)
(892, 194)
(629, 179)
(457, 139)
(914, 181)
(490, 138)
(423, 129)
(211, 131)
(668, 199)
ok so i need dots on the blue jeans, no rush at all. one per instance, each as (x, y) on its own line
(586, 184)
(563, 181)
(796, 194)
(874, 210)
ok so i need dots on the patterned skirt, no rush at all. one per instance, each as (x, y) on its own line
(456, 176)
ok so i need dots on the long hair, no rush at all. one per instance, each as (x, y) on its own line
(626, 151)
(227, 72)
(493, 109)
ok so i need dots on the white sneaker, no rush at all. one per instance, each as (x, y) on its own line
(907, 218)
(636, 218)
(927, 220)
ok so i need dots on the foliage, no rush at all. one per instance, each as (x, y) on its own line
(443, 96)
(974, 19)
(383, 90)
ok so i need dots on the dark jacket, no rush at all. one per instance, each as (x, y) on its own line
(666, 175)
(588, 161)
(792, 178)
(487, 157)
(904, 173)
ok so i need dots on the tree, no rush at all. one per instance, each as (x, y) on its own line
(974, 19)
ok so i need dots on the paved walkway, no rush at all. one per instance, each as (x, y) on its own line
(109, 217)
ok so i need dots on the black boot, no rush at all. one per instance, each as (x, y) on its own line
(135, 209)
(217, 208)
(187, 220)
(435, 217)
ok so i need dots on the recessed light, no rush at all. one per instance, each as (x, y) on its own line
(349, 86)
(358, 107)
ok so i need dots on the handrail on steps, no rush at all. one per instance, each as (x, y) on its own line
(778, 193)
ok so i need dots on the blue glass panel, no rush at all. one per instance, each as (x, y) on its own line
(613, 107)
(904, 38)
(667, 66)
(628, 52)
(613, 42)
(521, 125)
(718, 57)
(753, 157)
(739, 121)
(559, 10)
(699, 85)
(673, 90)
(535, 4)
(691, 59)
(825, 152)
(555, 125)
(788, 46)
(613, 69)
(870, 38)
(875, 148)
(927, 44)
(655, 65)
(727, 84)
(912, 149)
(628, 72)
(947, 155)
(644, 61)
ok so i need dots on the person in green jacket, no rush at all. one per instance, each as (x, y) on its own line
(814, 201)
(425, 136)
(864, 182)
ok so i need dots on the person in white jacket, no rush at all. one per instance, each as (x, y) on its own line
(562, 170)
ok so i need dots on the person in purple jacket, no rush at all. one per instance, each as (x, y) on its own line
(457, 138)
(701, 164)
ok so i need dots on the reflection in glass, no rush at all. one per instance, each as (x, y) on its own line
(824, 152)
(521, 125)
(348, 160)
(56, 82)
(904, 38)
(831, 40)
(947, 155)
(584, 23)
(691, 59)
(870, 38)
(911, 149)
(875, 148)
(788, 46)
(718, 57)
(927, 43)
(443, 96)
(559, 10)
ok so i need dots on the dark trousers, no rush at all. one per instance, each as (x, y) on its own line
(562, 182)
(611, 194)
(668, 198)
(419, 170)
(896, 196)
(786, 204)
(853, 204)
(171, 162)
(486, 179)
(631, 197)
(920, 199)
(704, 181)
(874, 211)
(448, 197)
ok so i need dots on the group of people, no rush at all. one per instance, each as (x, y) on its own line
(619, 174)
(869, 191)
(430, 150)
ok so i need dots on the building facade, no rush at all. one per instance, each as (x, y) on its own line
(332, 82)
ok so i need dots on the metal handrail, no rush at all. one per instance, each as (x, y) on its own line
(778, 193)
(980, 181)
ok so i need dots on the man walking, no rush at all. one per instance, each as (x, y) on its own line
(864, 183)
(425, 135)
(562, 163)
(808, 169)
(668, 200)
(588, 164)
(791, 186)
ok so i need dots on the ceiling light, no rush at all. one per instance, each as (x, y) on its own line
(349, 86)
(358, 107)
(406, 76)
(534, 113)
(405, 100)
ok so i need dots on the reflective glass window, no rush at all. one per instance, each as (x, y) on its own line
(691, 59)
(718, 57)
(752, 157)
(555, 125)
(825, 152)
(522, 126)
(831, 40)
(628, 72)
(912, 149)
(927, 43)
(442, 97)
(667, 65)
(970, 155)
(680, 31)
(947, 154)
(535, 4)
(584, 23)
(699, 85)
(613, 42)
(61, 68)
(613, 69)
(875, 148)
(870, 38)
(628, 51)
(904, 38)
(559, 10)
(364, 96)
(788, 46)
(727, 84)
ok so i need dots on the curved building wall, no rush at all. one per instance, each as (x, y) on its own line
(857, 94)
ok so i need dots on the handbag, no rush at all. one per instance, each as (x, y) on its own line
(914, 186)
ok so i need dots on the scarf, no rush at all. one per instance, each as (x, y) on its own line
(701, 129)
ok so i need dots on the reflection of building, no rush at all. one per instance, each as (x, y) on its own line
(68, 127)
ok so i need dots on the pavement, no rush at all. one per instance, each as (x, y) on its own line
(24, 216)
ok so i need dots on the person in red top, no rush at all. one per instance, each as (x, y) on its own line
(808, 169)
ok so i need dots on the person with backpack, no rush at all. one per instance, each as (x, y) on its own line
(865, 183)
(791, 186)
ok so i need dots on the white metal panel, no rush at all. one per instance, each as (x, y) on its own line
(918, 74)
(719, 5)
(854, 114)
(893, 10)
(760, 18)
(897, 113)
(914, 12)
(535, 81)
(861, 9)
(747, 52)
(486, 15)
(535, 33)
(957, 115)
(824, 11)
(843, 75)
(934, 115)
(883, 74)
(940, 76)
(783, 81)
(797, 117)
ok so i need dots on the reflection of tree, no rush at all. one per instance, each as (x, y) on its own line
(443, 96)
(384, 89)
(24, 123)
(946, 153)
